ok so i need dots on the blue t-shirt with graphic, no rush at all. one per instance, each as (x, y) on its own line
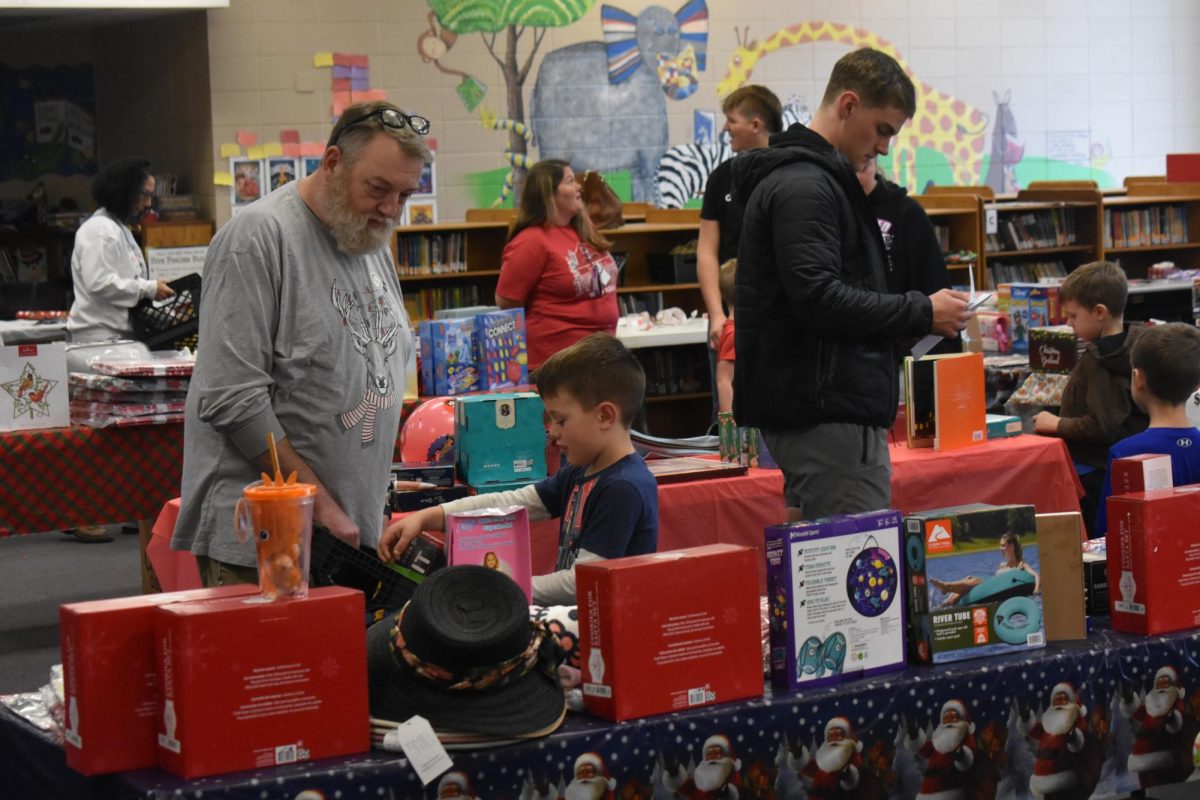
(1181, 444)
(612, 513)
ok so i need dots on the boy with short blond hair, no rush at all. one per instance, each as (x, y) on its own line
(1166, 373)
(606, 498)
(1097, 409)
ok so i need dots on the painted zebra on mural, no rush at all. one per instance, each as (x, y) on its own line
(684, 169)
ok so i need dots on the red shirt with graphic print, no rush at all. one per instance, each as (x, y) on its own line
(568, 288)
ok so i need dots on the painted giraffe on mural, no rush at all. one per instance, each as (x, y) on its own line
(941, 122)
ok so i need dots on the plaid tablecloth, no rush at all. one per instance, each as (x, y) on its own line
(65, 477)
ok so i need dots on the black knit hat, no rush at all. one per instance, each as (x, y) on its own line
(464, 654)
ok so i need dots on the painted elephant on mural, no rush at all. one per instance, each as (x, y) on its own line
(603, 105)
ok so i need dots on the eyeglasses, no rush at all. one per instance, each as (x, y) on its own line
(392, 118)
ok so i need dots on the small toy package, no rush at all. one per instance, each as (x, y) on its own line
(497, 538)
(972, 576)
(500, 438)
(1018, 312)
(500, 349)
(836, 596)
(995, 331)
(448, 356)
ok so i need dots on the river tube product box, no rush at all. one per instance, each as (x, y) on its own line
(110, 681)
(836, 599)
(500, 438)
(1154, 560)
(973, 582)
(656, 635)
(248, 684)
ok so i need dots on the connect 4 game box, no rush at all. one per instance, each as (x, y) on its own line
(500, 349)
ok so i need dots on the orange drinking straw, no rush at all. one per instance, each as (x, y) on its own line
(274, 459)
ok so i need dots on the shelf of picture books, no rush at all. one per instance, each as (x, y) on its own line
(1154, 225)
(447, 249)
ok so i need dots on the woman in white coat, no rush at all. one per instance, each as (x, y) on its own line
(107, 266)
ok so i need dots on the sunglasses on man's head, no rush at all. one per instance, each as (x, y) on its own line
(392, 118)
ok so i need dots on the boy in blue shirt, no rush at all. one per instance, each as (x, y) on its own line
(1166, 372)
(605, 497)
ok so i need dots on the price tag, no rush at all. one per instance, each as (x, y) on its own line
(415, 738)
(991, 222)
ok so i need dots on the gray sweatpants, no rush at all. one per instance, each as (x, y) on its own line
(833, 468)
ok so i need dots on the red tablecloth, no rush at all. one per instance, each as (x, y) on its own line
(1023, 469)
(65, 477)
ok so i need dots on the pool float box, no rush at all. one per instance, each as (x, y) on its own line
(1154, 561)
(836, 599)
(110, 681)
(970, 588)
(248, 684)
(669, 631)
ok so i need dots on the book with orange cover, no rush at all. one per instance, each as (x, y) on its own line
(920, 399)
(960, 409)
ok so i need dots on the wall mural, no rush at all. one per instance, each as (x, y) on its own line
(603, 105)
(942, 123)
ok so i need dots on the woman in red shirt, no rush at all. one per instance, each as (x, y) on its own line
(556, 265)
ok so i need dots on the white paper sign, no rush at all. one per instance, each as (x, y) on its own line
(416, 739)
(33, 387)
(169, 263)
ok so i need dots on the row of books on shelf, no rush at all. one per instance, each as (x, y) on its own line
(1141, 227)
(422, 304)
(1026, 272)
(430, 253)
(674, 370)
(1029, 230)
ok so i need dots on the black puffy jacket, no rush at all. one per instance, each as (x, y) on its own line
(816, 331)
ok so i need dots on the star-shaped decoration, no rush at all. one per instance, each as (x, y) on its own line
(30, 393)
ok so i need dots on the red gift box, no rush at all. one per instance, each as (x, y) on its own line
(1143, 473)
(249, 684)
(1153, 560)
(109, 678)
(669, 631)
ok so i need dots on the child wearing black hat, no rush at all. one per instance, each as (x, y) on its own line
(606, 498)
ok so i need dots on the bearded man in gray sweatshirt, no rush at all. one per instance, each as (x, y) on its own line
(303, 334)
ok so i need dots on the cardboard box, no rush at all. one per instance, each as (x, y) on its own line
(248, 684)
(500, 438)
(110, 680)
(448, 356)
(1143, 473)
(1053, 349)
(978, 609)
(416, 499)
(1154, 561)
(1183, 167)
(656, 637)
(1002, 426)
(1060, 540)
(835, 591)
(437, 474)
(500, 349)
(1018, 312)
(506, 486)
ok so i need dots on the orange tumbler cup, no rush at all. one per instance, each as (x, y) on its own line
(279, 517)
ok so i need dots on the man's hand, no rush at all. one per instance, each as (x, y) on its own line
(162, 291)
(715, 323)
(950, 313)
(1045, 423)
(399, 534)
(328, 514)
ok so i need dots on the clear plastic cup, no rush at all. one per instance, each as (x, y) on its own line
(279, 518)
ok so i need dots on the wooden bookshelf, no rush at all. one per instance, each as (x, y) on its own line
(1153, 222)
(646, 275)
(961, 214)
(1046, 230)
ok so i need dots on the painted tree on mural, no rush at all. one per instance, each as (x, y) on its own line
(516, 19)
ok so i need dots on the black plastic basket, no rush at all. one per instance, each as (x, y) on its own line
(335, 563)
(173, 323)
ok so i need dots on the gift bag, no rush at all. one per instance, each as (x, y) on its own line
(33, 387)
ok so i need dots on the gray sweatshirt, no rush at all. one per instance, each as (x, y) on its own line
(300, 340)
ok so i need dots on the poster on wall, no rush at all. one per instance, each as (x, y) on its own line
(47, 121)
(422, 213)
(247, 181)
(281, 170)
(169, 263)
(309, 165)
(428, 181)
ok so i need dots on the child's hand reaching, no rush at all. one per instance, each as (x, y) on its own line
(1045, 423)
(399, 534)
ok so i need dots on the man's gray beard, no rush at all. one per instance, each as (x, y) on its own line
(351, 230)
